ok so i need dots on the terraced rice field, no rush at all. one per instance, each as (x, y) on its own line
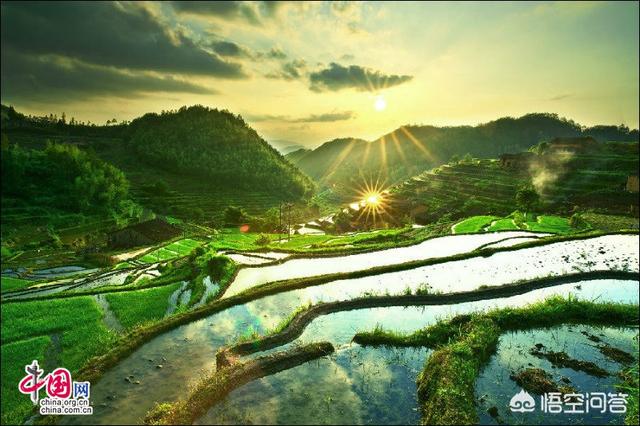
(378, 377)
(171, 251)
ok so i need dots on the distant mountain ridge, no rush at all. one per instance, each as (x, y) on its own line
(409, 150)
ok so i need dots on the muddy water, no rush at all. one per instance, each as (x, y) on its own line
(190, 350)
(297, 268)
(494, 388)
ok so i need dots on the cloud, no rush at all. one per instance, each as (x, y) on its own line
(257, 13)
(337, 77)
(561, 97)
(326, 118)
(229, 48)
(54, 79)
(329, 117)
(292, 70)
(122, 35)
(276, 53)
(219, 9)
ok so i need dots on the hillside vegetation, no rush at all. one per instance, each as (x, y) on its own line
(215, 145)
(566, 184)
(191, 163)
(410, 150)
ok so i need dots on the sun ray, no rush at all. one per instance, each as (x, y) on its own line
(417, 143)
(340, 158)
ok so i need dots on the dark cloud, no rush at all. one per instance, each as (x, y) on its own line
(50, 79)
(276, 53)
(122, 35)
(338, 77)
(222, 9)
(229, 48)
(292, 70)
(253, 12)
(313, 118)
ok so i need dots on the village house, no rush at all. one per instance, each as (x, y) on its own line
(521, 160)
(146, 233)
(576, 145)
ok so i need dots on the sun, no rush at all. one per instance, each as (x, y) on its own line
(380, 103)
(373, 199)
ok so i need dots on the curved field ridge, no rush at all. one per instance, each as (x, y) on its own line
(298, 323)
(213, 388)
(465, 343)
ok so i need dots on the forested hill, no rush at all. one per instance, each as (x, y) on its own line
(409, 150)
(191, 163)
(218, 146)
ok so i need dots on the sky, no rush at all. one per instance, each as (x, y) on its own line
(306, 73)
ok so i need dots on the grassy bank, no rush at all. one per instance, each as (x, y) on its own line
(293, 325)
(542, 223)
(64, 332)
(133, 308)
(464, 343)
(12, 284)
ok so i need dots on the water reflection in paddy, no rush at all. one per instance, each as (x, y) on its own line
(298, 395)
(356, 385)
(494, 388)
(297, 268)
(186, 352)
(614, 253)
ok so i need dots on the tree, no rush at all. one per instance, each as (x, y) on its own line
(235, 215)
(527, 199)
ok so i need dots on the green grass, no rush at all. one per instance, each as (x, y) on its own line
(473, 224)
(607, 222)
(26, 331)
(505, 224)
(16, 406)
(122, 265)
(465, 342)
(171, 251)
(551, 224)
(371, 240)
(629, 386)
(11, 284)
(544, 223)
(77, 319)
(137, 307)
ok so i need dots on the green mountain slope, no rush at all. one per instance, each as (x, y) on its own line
(190, 163)
(217, 146)
(593, 180)
(410, 150)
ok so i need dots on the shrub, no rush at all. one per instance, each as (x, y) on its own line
(263, 240)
